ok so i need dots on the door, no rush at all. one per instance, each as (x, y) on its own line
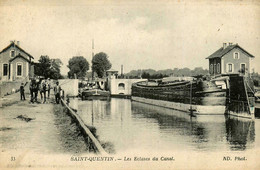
(5, 72)
(243, 68)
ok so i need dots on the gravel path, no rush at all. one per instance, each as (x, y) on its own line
(37, 128)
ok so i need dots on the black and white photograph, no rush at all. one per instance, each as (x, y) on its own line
(120, 84)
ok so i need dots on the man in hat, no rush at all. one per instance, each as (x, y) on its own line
(57, 90)
(22, 92)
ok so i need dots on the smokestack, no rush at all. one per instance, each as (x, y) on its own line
(230, 43)
(122, 70)
(224, 45)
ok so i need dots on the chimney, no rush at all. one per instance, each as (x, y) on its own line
(122, 70)
(224, 45)
(230, 43)
(18, 43)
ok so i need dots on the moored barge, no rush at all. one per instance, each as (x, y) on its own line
(191, 95)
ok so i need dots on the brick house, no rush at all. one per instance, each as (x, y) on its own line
(230, 59)
(15, 63)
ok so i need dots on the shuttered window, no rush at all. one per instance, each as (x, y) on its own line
(218, 68)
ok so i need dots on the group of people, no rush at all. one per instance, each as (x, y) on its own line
(43, 86)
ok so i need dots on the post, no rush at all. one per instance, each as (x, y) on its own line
(191, 110)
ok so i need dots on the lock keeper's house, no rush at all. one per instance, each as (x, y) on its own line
(230, 59)
(15, 63)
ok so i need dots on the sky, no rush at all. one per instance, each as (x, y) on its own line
(138, 35)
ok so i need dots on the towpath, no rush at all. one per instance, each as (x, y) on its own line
(36, 129)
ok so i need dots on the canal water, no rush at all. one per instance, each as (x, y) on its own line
(129, 126)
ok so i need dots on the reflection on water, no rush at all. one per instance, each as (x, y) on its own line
(136, 126)
(240, 133)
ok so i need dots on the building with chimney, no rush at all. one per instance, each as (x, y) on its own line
(230, 59)
(15, 63)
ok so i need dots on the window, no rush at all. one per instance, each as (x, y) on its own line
(230, 68)
(19, 69)
(243, 68)
(121, 86)
(12, 53)
(236, 55)
(211, 69)
(5, 69)
(218, 68)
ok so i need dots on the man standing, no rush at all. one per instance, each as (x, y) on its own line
(22, 92)
(57, 90)
(43, 91)
(35, 90)
(31, 89)
(48, 87)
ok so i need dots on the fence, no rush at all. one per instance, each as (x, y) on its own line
(87, 133)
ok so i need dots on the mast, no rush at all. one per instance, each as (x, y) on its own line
(92, 57)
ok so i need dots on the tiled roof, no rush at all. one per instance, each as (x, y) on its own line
(16, 46)
(221, 52)
(19, 56)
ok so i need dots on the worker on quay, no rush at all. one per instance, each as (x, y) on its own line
(31, 88)
(57, 91)
(35, 90)
(48, 88)
(43, 91)
(22, 92)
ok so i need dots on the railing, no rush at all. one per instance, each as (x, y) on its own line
(85, 129)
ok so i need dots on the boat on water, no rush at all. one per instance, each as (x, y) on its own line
(94, 90)
(188, 94)
(94, 94)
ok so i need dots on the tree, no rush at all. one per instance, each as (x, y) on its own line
(100, 64)
(48, 68)
(78, 65)
(167, 72)
(145, 75)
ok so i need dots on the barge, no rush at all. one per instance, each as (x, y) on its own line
(241, 97)
(195, 96)
(94, 94)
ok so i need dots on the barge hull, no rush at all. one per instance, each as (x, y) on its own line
(198, 109)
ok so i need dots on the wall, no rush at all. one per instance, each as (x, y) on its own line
(228, 58)
(25, 68)
(7, 87)
(115, 90)
(70, 86)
